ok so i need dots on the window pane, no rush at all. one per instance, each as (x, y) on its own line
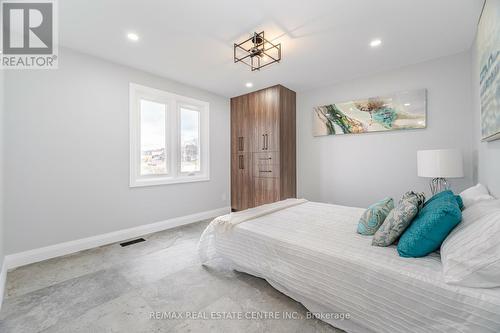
(190, 140)
(153, 134)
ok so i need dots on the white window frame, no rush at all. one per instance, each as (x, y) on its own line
(173, 105)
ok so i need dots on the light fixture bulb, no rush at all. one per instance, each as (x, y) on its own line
(249, 84)
(133, 37)
(375, 43)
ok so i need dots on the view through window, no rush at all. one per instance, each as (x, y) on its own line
(153, 138)
(190, 140)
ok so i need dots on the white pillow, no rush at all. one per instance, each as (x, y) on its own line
(471, 252)
(475, 194)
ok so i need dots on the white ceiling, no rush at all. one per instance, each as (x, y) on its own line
(324, 41)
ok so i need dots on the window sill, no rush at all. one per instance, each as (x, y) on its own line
(168, 181)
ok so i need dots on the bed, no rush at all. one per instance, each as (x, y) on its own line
(312, 253)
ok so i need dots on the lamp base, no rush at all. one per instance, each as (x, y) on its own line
(439, 185)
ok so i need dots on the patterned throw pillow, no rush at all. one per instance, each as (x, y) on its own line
(374, 216)
(399, 219)
(420, 197)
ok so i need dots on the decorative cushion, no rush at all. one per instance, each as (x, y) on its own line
(399, 219)
(460, 202)
(475, 194)
(446, 193)
(420, 197)
(433, 223)
(471, 253)
(374, 216)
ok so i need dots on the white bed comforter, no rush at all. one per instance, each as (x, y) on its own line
(312, 253)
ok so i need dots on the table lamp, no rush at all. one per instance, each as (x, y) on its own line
(440, 164)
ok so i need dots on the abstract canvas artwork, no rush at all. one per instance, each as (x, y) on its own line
(488, 50)
(402, 110)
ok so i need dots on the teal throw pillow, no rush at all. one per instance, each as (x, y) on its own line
(447, 194)
(434, 222)
(374, 216)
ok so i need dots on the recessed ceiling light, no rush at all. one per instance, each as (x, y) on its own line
(249, 84)
(375, 43)
(407, 104)
(133, 37)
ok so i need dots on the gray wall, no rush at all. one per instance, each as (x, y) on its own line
(68, 155)
(487, 153)
(2, 132)
(359, 169)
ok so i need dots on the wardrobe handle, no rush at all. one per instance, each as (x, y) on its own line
(267, 141)
(263, 142)
(241, 162)
(240, 143)
(266, 171)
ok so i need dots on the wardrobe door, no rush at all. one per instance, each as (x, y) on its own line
(241, 125)
(264, 106)
(267, 190)
(256, 106)
(242, 194)
(287, 153)
(271, 127)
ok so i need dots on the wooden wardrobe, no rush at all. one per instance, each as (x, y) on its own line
(263, 161)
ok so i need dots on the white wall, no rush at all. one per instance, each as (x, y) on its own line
(359, 169)
(487, 153)
(67, 161)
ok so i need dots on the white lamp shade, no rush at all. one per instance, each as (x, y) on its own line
(440, 163)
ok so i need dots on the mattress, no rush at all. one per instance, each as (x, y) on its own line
(312, 253)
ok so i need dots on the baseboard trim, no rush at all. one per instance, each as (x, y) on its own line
(15, 260)
(3, 281)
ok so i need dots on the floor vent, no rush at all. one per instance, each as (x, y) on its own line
(133, 241)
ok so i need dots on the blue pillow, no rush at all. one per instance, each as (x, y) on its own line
(460, 202)
(447, 193)
(434, 222)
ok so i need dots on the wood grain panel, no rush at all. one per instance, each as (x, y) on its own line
(256, 107)
(264, 106)
(265, 121)
(266, 190)
(271, 125)
(241, 125)
(242, 186)
(288, 137)
(266, 165)
(272, 157)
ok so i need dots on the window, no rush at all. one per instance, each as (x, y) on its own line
(190, 140)
(153, 138)
(168, 138)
